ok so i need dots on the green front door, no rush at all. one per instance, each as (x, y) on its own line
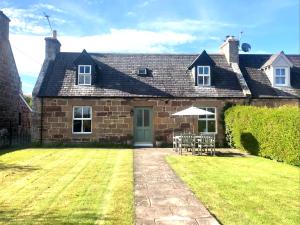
(143, 135)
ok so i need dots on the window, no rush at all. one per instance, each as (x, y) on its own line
(280, 76)
(82, 119)
(84, 75)
(142, 71)
(203, 73)
(207, 123)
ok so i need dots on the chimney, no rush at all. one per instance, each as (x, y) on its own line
(52, 46)
(4, 26)
(230, 48)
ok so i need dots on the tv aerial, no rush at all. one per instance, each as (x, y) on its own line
(47, 17)
(245, 47)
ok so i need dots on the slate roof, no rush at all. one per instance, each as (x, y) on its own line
(258, 81)
(117, 77)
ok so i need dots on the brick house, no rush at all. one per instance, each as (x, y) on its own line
(14, 111)
(107, 97)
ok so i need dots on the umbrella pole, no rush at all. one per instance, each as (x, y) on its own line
(194, 124)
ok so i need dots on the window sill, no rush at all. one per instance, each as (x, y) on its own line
(199, 85)
(209, 133)
(84, 133)
(281, 85)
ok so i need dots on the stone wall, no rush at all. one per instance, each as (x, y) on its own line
(11, 103)
(112, 119)
(275, 102)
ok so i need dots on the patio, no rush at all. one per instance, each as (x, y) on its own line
(195, 142)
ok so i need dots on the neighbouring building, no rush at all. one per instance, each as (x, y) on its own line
(110, 97)
(14, 111)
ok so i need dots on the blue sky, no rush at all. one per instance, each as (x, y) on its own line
(173, 26)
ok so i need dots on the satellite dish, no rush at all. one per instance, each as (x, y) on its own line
(246, 47)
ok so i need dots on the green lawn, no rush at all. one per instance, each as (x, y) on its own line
(66, 186)
(243, 190)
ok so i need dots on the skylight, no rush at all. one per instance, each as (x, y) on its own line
(142, 71)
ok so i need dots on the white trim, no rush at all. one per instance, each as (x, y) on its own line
(84, 74)
(203, 75)
(207, 119)
(81, 119)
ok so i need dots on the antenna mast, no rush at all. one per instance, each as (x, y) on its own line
(241, 34)
(47, 17)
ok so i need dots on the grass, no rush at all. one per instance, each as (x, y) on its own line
(243, 190)
(66, 186)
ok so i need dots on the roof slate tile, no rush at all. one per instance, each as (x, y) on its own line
(118, 78)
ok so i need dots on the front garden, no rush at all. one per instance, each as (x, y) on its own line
(66, 186)
(95, 186)
(249, 190)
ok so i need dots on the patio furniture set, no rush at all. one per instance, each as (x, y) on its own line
(196, 144)
(191, 142)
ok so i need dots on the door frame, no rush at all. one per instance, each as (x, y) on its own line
(143, 144)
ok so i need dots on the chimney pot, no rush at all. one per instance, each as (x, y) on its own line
(54, 34)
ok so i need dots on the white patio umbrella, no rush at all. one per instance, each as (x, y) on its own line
(192, 111)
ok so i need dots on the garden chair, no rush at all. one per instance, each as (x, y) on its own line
(188, 142)
(176, 142)
(208, 143)
(205, 143)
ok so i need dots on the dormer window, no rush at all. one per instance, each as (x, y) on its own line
(278, 70)
(203, 75)
(84, 75)
(280, 76)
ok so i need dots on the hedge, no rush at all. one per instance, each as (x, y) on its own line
(268, 132)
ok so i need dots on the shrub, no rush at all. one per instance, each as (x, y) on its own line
(269, 132)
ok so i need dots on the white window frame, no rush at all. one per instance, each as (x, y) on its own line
(203, 75)
(280, 76)
(82, 119)
(85, 75)
(209, 119)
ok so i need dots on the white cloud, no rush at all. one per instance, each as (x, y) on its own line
(130, 13)
(188, 25)
(126, 40)
(31, 20)
(28, 53)
(93, 2)
(145, 3)
(46, 6)
(29, 50)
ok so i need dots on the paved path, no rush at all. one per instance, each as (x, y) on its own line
(160, 196)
